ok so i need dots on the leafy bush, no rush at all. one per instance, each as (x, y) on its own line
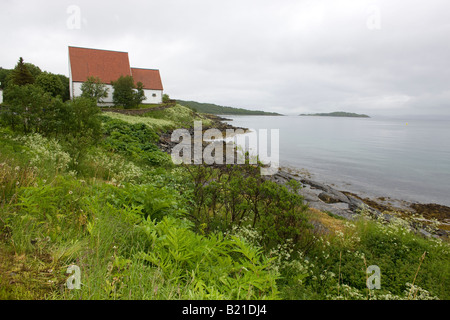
(94, 88)
(213, 266)
(50, 83)
(239, 196)
(27, 106)
(165, 98)
(126, 93)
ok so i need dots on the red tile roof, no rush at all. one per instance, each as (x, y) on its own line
(150, 78)
(107, 65)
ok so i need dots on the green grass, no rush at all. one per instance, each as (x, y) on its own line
(163, 120)
(133, 223)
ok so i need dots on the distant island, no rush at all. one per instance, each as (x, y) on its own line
(337, 114)
(221, 110)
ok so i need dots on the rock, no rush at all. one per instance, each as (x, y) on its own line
(309, 195)
(347, 214)
(341, 205)
(330, 195)
(315, 184)
(424, 233)
(354, 203)
(334, 197)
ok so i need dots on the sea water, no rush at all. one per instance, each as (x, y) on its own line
(405, 159)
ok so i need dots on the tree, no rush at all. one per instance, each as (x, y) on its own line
(139, 94)
(20, 75)
(165, 98)
(4, 77)
(66, 83)
(50, 83)
(26, 107)
(34, 70)
(126, 94)
(94, 88)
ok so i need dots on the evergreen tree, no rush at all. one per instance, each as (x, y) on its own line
(21, 75)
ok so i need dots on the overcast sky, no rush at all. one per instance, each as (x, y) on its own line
(380, 57)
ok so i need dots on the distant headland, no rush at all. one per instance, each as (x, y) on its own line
(336, 114)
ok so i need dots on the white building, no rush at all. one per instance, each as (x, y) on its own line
(110, 66)
(1, 96)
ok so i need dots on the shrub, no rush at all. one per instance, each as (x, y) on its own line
(50, 83)
(94, 88)
(211, 266)
(26, 108)
(126, 93)
(238, 196)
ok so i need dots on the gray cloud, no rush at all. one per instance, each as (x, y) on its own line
(286, 56)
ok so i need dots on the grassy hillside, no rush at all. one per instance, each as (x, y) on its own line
(216, 109)
(140, 227)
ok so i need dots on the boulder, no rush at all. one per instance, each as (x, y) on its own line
(333, 197)
(347, 214)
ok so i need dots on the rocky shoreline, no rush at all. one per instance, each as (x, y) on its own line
(421, 217)
(321, 196)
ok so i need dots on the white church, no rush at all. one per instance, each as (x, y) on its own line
(110, 66)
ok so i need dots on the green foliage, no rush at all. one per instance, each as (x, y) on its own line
(154, 200)
(50, 83)
(31, 109)
(140, 228)
(4, 77)
(139, 94)
(28, 106)
(126, 93)
(239, 196)
(66, 85)
(213, 266)
(337, 264)
(181, 116)
(76, 123)
(94, 88)
(81, 126)
(34, 70)
(137, 141)
(165, 98)
(20, 75)
(38, 220)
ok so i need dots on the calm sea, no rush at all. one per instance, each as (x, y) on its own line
(376, 157)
